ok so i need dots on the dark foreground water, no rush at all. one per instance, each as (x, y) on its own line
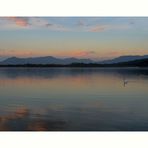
(73, 99)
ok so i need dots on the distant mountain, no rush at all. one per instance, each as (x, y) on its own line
(123, 59)
(65, 61)
(43, 60)
(135, 63)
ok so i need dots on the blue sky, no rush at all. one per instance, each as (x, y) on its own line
(83, 37)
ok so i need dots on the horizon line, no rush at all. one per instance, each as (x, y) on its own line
(67, 57)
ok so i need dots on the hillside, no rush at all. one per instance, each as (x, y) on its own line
(43, 60)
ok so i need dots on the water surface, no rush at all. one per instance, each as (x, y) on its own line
(74, 99)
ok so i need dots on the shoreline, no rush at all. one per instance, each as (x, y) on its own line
(68, 66)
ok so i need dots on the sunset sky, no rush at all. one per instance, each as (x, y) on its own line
(82, 37)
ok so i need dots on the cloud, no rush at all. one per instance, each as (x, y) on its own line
(39, 22)
(132, 21)
(100, 28)
(83, 53)
(90, 52)
(34, 23)
(20, 21)
(81, 23)
(49, 25)
(29, 22)
(57, 27)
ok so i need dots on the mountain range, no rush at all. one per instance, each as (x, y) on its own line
(64, 61)
(124, 59)
(43, 60)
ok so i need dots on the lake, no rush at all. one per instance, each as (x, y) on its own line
(73, 99)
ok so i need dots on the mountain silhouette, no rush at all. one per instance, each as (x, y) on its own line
(124, 59)
(134, 63)
(44, 60)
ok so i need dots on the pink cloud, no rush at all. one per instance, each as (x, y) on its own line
(19, 21)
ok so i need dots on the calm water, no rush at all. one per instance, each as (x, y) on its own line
(75, 99)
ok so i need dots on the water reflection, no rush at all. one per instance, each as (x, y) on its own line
(126, 82)
(79, 99)
(24, 120)
(55, 72)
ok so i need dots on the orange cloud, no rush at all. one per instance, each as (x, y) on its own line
(99, 28)
(20, 21)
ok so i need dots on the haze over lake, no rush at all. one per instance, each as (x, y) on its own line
(75, 99)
